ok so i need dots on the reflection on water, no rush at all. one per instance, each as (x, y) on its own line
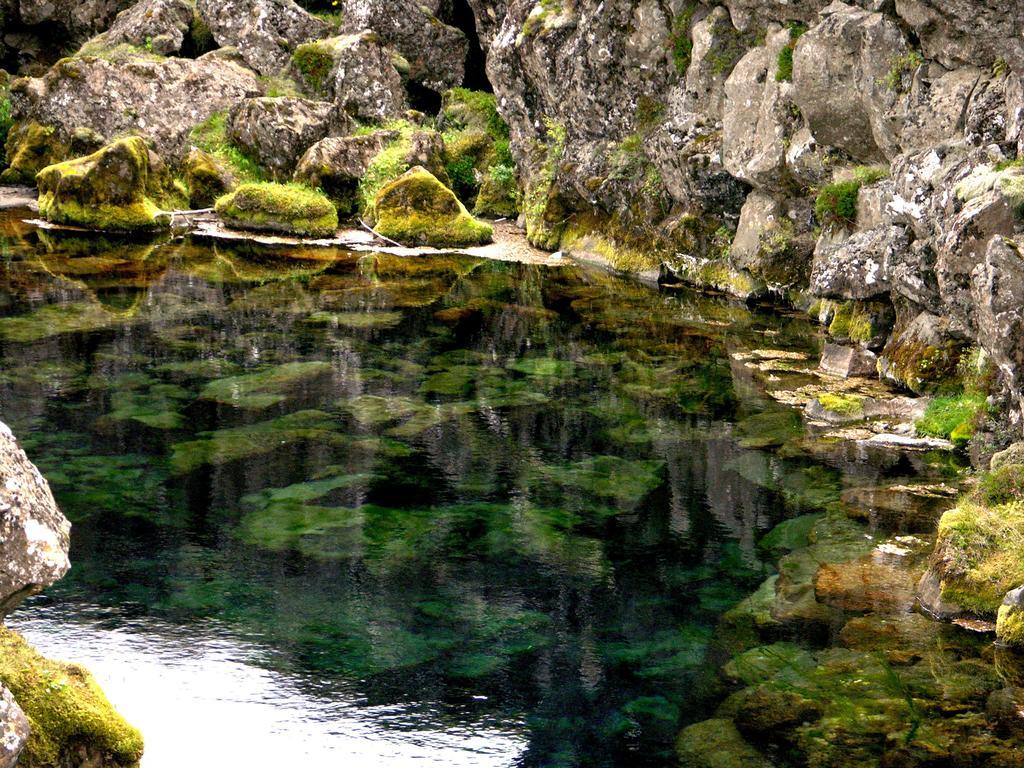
(434, 509)
(202, 700)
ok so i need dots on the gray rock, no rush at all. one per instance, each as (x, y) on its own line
(717, 45)
(436, 52)
(159, 99)
(336, 165)
(996, 289)
(265, 32)
(857, 267)
(1012, 455)
(14, 730)
(277, 131)
(79, 18)
(873, 203)
(923, 354)
(159, 25)
(770, 243)
(966, 32)
(34, 534)
(848, 362)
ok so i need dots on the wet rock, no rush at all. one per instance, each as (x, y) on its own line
(161, 26)
(161, 99)
(765, 714)
(206, 178)
(1010, 619)
(289, 209)
(770, 244)
(14, 730)
(1006, 708)
(864, 585)
(417, 209)
(111, 190)
(34, 534)
(717, 744)
(857, 267)
(356, 72)
(848, 361)
(908, 508)
(277, 131)
(336, 165)
(265, 32)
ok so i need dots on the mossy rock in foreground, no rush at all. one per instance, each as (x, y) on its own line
(72, 721)
(287, 208)
(417, 209)
(107, 190)
(30, 148)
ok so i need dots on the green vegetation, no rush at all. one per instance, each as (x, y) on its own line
(680, 41)
(836, 203)
(1004, 485)
(30, 148)
(67, 711)
(288, 208)
(952, 418)
(314, 62)
(843, 405)
(784, 63)
(462, 108)
(417, 209)
(544, 223)
(211, 136)
(901, 69)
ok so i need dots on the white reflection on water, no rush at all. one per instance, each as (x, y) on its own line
(199, 703)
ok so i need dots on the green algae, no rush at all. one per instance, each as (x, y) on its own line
(623, 481)
(54, 320)
(357, 320)
(265, 388)
(157, 407)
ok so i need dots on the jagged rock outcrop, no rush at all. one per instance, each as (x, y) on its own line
(78, 18)
(265, 32)
(162, 99)
(160, 26)
(34, 534)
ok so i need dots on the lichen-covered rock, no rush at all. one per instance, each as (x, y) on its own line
(857, 267)
(72, 722)
(356, 71)
(417, 209)
(436, 52)
(289, 209)
(34, 534)
(110, 190)
(277, 131)
(972, 32)
(160, 26)
(206, 178)
(772, 243)
(336, 165)
(265, 32)
(924, 355)
(1010, 619)
(997, 285)
(30, 148)
(161, 99)
(14, 730)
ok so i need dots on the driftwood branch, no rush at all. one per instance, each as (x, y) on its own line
(374, 232)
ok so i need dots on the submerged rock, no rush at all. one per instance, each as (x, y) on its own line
(417, 209)
(34, 534)
(109, 190)
(291, 209)
(14, 730)
(717, 744)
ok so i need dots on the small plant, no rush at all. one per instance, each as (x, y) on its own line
(1002, 486)
(463, 178)
(952, 418)
(315, 62)
(900, 69)
(837, 203)
(1000, 67)
(682, 45)
(784, 63)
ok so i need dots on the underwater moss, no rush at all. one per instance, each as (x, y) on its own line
(263, 389)
(67, 711)
(288, 208)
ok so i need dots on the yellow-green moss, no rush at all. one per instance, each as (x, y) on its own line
(212, 137)
(66, 709)
(844, 405)
(578, 237)
(499, 194)
(287, 208)
(417, 209)
(314, 63)
(206, 179)
(463, 109)
(30, 148)
(980, 554)
(953, 418)
(96, 193)
(1010, 626)
(545, 218)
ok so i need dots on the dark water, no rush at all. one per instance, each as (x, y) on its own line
(333, 508)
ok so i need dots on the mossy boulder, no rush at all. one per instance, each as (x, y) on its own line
(717, 744)
(206, 178)
(499, 194)
(72, 722)
(1010, 619)
(112, 189)
(287, 208)
(30, 148)
(417, 209)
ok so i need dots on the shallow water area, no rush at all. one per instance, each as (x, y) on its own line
(387, 510)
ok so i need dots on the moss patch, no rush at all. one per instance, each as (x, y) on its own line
(288, 208)
(314, 63)
(212, 137)
(844, 405)
(417, 209)
(952, 418)
(1010, 626)
(66, 708)
(30, 148)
